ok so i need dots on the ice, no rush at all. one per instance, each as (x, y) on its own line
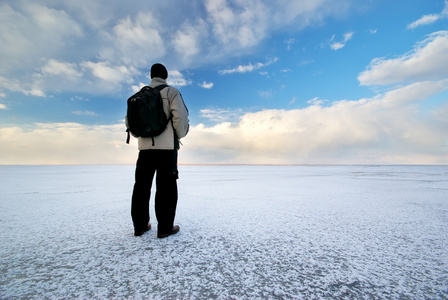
(301, 232)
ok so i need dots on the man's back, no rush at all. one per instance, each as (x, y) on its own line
(174, 108)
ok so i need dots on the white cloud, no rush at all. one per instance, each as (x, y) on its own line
(266, 93)
(95, 14)
(176, 78)
(316, 101)
(14, 85)
(424, 20)
(79, 98)
(136, 88)
(339, 45)
(35, 92)
(57, 40)
(32, 31)
(3, 106)
(113, 74)
(238, 24)
(57, 76)
(136, 42)
(348, 36)
(10, 84)
(54, 67)
(305, 62)
(187, 39)
(289, 42)
(206, 85)
(305, 13)
(236, 27)
(66, 143)
(221, 115)
(429, 19)
(385, 129)
(84, 113)
(247, 68)
(428, 61)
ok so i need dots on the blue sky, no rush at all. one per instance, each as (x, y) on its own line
(290, 82)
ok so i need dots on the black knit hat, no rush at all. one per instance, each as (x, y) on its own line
(159, 70)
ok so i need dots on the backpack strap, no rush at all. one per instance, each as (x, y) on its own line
(159, 88)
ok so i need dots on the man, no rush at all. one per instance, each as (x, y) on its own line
(160, 157)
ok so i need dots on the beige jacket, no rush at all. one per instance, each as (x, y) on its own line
(174, 106)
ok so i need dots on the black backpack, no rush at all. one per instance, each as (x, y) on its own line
(145, 115)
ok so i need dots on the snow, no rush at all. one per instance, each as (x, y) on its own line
(301, 232)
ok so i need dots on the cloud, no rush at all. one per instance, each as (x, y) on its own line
(135, 42)
(10, 84)
(339, 45)
(221, 115)
(112, 74)
(79, 98)
(35, 92)
(32, 31)
(247, 68)
(316, 101)
(58, 76)
(429, 19)
(424, 20)
(43, 44)
(3, 106)
(387, 128)
(428, 61)
(266, 93)
(66, 143)
(187, 39)
(54, 67)
(305, 13)
(16, 86)
(206, 85)
(176, 78)
(84, 113)
(289, 42)
(237, 24)
(136, 88)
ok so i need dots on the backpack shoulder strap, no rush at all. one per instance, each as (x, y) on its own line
(160, 87)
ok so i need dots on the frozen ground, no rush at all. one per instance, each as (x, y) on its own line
(302, 232)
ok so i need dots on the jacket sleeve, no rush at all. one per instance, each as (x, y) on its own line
(179, 113)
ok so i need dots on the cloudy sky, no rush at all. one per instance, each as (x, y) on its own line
(268, 82)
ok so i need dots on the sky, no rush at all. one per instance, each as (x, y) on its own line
(284, 82)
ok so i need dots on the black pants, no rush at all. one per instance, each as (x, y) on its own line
(163, 163)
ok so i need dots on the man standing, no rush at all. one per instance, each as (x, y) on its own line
(159, 156)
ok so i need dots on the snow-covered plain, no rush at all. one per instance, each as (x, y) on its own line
(302, 232)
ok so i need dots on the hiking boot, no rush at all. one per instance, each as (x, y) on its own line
(140, 232)
(175, 230)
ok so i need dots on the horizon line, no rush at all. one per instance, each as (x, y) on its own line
(236, 164)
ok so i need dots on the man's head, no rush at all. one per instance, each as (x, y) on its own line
(159, 70)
